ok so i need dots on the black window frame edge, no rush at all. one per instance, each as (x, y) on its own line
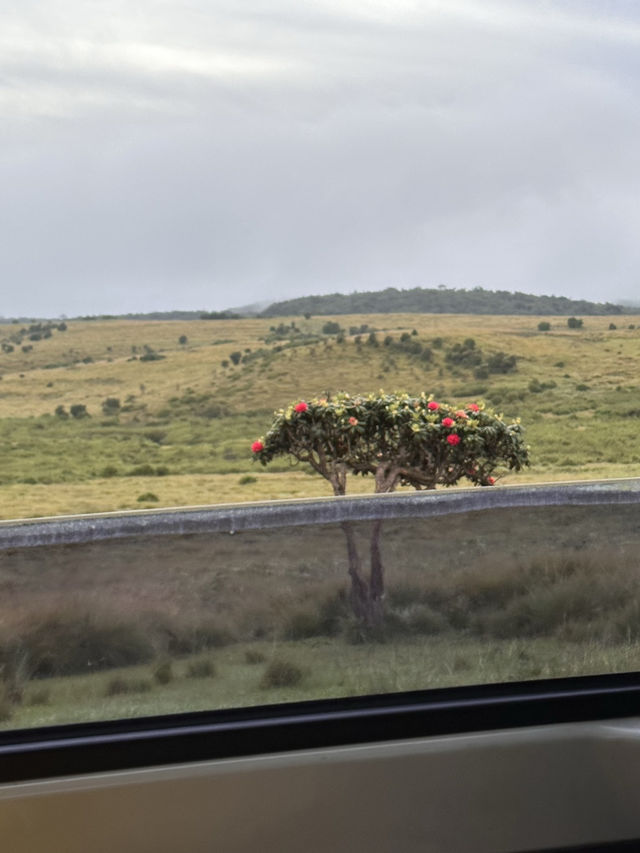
(145, 742)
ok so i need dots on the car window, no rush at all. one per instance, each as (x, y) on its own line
(318, 347)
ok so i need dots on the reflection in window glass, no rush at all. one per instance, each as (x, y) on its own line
(163, 624)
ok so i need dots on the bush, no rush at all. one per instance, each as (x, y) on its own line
(247, 479)
(61, 412)
(145, 470)
(182, 340)
(544, 326)
(612, 327)
(302, 624)
(109, 471)
(331, 328)
(124, 686)
(67, 643)
(575, 323)
(187, 638)
(500, 362)
(201, 668)
(281, 673)
(111, 406)
(163, 672)
(79, 410)
(235, 357)
(147, 497)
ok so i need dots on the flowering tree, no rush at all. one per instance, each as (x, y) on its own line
(399, 440)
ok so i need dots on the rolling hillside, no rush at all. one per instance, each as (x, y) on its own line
(173, 406)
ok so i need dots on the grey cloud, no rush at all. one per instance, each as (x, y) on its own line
(359, 147)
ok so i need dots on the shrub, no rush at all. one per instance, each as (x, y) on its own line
(247, 479)
(145, 470)
(124, 686)
(66, 642)
(612, 327)
(302, 624)
(331, 328)
(61, 412)
(187, 638)
(235, 357)
(79, 410)
(544, 326)
(111, 406)
(575, 323)
(201, 668)
(109, 471)
(147, 497)
(500, 362)
(281, 673)
(163, 671)
(182, 340)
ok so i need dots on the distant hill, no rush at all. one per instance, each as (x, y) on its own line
(166, 315)
(440, 301)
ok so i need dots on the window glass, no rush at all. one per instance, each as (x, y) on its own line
(175, 622)
(266, 252)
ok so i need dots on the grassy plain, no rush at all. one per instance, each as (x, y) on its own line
(186, 420)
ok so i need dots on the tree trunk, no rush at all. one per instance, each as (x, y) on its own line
(376, 578)
(359, 593)
(367, 599)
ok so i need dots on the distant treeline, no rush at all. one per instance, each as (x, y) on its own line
(167, 315)
(440, 301)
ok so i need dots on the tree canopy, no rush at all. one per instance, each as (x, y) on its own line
(396, 438)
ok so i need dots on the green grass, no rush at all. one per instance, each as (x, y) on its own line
(188, 417)
(330, 668)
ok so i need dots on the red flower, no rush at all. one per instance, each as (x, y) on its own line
(257, 446)
(453, 439)
(448, 422)
(300, 407)
(433, 406)
(474, 407)
(353, 421)
(491, 480)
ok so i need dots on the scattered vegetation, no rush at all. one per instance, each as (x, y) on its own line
(281, 673)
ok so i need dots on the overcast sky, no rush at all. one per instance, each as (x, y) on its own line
(213, 153)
